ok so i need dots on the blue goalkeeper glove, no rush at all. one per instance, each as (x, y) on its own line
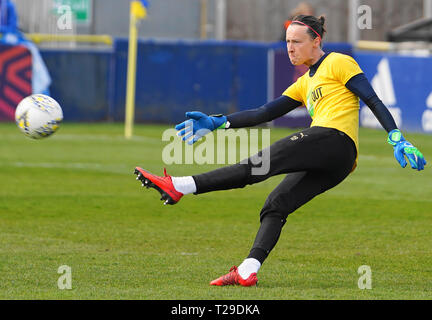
(198, 125)
(403, 148)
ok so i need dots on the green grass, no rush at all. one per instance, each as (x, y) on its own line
(72, 199)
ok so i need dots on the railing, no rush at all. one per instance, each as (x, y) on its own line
(374, 45)
(83, 38)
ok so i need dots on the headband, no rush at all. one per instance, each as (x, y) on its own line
(308, 27)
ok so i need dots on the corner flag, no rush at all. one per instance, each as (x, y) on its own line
(138, 11)
(139, 8)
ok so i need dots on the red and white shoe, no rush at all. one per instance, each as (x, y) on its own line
(162, 184)
(233, 278)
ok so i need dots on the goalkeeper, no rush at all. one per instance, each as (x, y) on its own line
(313, 160)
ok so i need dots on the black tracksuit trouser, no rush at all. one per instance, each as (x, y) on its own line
(314, 160)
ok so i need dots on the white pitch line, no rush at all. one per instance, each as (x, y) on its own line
(85, 137)
(70, 165)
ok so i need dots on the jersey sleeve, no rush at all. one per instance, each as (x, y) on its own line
(294, 91)
(345, 67)
(271, 110)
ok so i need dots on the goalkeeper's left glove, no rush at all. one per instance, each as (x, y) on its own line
(403, 148)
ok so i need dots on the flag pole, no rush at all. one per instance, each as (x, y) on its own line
(137, 12)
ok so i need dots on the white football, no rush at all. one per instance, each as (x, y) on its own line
(38, 116)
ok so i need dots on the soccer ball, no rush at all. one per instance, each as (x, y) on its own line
(38, 116)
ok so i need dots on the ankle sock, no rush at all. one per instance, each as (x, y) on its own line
(184, 185)
(248, 266)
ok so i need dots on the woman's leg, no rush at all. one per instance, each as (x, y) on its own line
(331, 160)
(295, 190)
(297, 152)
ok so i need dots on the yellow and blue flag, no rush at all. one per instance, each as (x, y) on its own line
(139, 8)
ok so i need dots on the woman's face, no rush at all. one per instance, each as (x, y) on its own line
(300, 44)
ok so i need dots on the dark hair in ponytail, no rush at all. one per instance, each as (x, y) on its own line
(314, 23)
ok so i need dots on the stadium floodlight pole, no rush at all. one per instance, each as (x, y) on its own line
(203, 20)
(353, 29)
(220, 32)
(137, 12)
(427, 8)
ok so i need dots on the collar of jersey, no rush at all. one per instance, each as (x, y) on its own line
(313, 69)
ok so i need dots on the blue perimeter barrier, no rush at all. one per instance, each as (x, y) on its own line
(180, 76)
(81, 82)
(172, 77)
(215, 77)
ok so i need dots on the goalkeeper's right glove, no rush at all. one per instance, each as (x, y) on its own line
(403, 148)
(199, 124)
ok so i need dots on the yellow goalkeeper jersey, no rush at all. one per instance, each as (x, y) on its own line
(328, 101)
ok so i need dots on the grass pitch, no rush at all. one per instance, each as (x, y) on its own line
(72, 199)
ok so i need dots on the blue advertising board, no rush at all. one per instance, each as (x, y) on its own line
(400, 81)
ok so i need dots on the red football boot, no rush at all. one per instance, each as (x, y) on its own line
(233, 278)
(162, 184)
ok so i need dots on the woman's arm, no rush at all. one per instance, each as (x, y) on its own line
(402, 148)
(265, 113)
(360, 86)
(199, 124)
